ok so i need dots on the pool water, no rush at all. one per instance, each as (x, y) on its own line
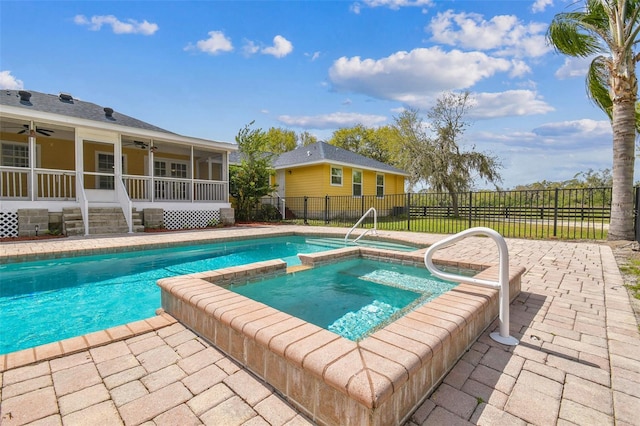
(351, 298)
(49, 300)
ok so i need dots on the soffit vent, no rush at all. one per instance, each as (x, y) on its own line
(108, 112)
(24, 96)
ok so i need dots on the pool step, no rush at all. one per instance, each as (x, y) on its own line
(339, 243)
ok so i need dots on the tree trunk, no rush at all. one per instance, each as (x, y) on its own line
(622, 213)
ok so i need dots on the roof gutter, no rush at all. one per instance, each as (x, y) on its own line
(18, 113)
(339, 163)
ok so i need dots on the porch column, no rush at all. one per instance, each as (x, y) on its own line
(152, 185)
(193, 170)
(32, 161)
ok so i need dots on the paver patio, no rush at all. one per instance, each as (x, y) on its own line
(578, 361)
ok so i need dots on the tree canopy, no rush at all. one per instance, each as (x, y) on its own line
(249, 181)
(362, 140)
(438, 159)
(279, 140)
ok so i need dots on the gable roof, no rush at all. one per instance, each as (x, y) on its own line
(66, 105)
(322, 152)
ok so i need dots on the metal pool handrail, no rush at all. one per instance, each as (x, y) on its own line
(373, 231)
(502, 283)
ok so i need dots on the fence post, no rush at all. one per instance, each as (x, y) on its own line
(326, 209)
(408, 209)
(555, 214)
(470, 208)
(306, 222)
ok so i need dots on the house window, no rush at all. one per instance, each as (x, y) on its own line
(15, 155)
(357, 183)
(171, 190)
(106, 165)
(179, 170)
(379, 186)
(336, 176)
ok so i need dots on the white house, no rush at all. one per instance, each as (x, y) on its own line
(58, 160)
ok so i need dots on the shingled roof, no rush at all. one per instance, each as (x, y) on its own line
(322, 152)
(64, 104)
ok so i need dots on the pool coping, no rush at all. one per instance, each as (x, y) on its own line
(27, 251)
(378, 380)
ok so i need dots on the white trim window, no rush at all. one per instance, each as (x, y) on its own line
(171, 168)
(336, 176)
(356, 182)
(105, 165)
(379, 185)
(14, 154)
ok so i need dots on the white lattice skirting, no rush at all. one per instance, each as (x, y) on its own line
(9, 224)
(184, 219)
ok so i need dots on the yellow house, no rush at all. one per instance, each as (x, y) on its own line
(322, 169)
(352, 181)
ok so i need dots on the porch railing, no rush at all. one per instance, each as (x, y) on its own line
(14, 183)
(175, 189)
(61, 185)
(50, 184)
(56, 184)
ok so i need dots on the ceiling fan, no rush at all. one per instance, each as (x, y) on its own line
(45, 132)
(141, 145)
(137, 144)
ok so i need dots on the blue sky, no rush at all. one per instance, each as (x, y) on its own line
(207, 68)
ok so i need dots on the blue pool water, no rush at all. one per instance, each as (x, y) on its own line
(351, 298)
(50, 300)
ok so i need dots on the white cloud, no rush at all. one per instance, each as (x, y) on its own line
(250, 48)
(8, 81)
(505, 35)
(554, 151)
(414, 77)
(391, 4)
(281, 47)
(508, 104)
(313, 56)
(573, 67)
(131, 26)
(216, 43)
(519, 68)
(332, 121)
(584, 129)
(541, 5)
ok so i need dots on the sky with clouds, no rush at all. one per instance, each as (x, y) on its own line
(208, 68)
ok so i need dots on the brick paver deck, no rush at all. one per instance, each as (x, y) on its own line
(578, 361)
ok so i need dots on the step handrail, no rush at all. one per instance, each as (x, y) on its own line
(502, 283)
(373, 231)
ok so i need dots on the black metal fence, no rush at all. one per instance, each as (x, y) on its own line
(561, 213)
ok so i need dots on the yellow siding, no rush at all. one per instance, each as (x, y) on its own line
(315, 181)
(311, 181)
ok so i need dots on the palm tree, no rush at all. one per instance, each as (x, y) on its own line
(609, 29)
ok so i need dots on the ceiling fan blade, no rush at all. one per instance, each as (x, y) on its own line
(22, 131)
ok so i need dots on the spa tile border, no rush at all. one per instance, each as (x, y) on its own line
(378, 380)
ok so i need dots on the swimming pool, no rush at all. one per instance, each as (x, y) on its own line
(49, 300)
(350, 298)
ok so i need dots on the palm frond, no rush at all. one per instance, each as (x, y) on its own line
(569, 37)
(598, 85)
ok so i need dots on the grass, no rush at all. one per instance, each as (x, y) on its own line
(633, 269)
(510, 229)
